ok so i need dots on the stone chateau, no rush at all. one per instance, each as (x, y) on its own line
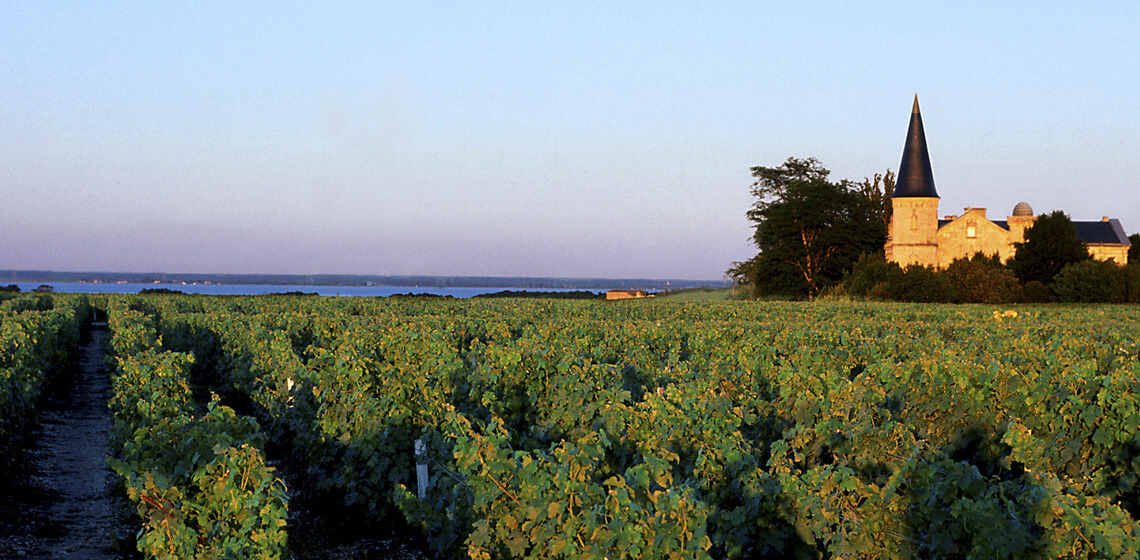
(917, 236)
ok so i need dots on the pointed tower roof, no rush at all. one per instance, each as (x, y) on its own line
(915, 179)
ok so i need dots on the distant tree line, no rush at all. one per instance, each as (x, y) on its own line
(818, 237)
(161, 291)
(15, 289)
(8, 292)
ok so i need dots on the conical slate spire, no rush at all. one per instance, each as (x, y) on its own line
(916, 179)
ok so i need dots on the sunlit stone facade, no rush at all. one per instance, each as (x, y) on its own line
(917, 236)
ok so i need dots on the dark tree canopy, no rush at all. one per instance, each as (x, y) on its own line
(1091, 281)
(772, 183)
(810, 231)
(878, 191)
(1050, 244)
(1134, 250)
(981, 279)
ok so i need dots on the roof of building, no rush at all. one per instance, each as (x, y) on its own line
(915, 178)
(1102, 231)
(1099, 232)
(999, 223)
(1022, 209)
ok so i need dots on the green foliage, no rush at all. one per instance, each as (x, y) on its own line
(919, 284)
(560, 503)
(981, 279)
(1134, 249)
(1050, 244)
(36, 338)
(203, 493)
(772, 183)
(1091, 281)
(200, 484)
(978, 279)
(872, 276)
(28, 302)
(526, 294)
(160, 291)
(743, 275)
(809, 231)
(1132, 281)
(878, 191)
(668, 429)
(1036, 292)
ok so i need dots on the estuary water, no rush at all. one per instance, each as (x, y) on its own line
(264, 289)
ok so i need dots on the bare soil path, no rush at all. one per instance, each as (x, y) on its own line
(60, 502)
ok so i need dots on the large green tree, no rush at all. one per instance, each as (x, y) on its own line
(878, 191)
(1050, 244)
(809, 230)
(771, 183)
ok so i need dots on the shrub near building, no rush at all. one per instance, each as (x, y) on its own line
(871, 276)
(981, 279)
(1091, 281)
(984, 279)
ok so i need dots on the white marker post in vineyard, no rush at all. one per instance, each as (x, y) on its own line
(421, 469)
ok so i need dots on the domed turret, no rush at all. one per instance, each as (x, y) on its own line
(1022, 210)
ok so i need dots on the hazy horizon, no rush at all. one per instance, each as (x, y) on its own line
(577, 140)
(107, 275)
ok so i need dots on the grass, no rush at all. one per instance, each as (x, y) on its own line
(696, 294)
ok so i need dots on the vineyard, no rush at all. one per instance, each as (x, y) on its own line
(579, 429)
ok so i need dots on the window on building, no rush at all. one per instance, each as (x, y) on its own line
(971, 229)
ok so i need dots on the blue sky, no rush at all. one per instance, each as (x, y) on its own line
(526, 138)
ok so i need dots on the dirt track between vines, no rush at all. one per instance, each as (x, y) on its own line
(60, 502)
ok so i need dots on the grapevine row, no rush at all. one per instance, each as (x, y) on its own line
(37, 337)
(572, 429)
(195, 473)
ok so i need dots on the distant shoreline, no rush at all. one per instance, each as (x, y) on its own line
(297, 290)
(352, 280)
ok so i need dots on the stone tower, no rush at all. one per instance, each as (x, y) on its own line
(913, 235)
